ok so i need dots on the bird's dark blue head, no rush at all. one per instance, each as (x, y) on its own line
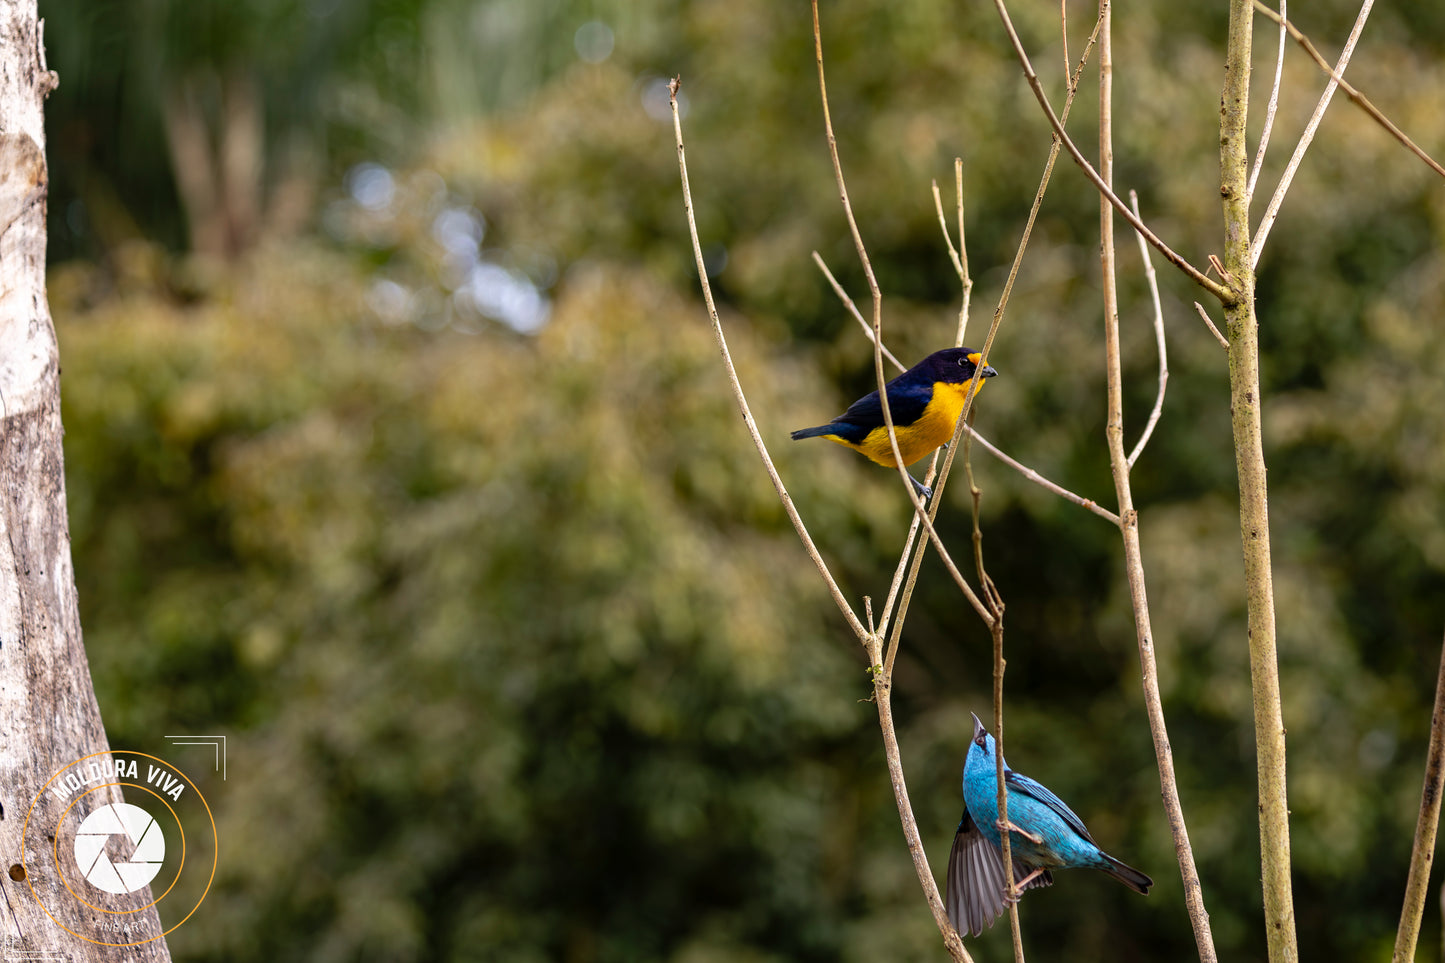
(980, 752)
(954, 365)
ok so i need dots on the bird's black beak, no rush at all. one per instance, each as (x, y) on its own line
(988, 371)
(977, 726)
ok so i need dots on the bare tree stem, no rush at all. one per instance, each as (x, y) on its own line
(951, 940)
(1245, 411)
(1129, 518)
(1422, 854)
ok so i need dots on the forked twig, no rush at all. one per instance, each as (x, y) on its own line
(870, 641)
(1277, 198)
(1223, 341)
(953, 255)
(1153, 280)
(1219, 291)
(1350, 91)
(853, 309)
(963, 276)
(958, 256)
(839, 599)
(1273, 105)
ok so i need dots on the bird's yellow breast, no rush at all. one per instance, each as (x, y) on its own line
(932, 428)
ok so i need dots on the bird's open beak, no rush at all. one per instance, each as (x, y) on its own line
(977, 726)
(988, 371)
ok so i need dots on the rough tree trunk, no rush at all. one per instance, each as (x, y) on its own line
(48, 713)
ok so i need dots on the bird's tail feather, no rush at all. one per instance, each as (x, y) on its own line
(1127, 875)
(813, 432)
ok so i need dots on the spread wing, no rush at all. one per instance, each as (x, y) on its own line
(1041, 793)
(975, 892)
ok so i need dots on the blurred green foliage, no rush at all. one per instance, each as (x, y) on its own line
(518, 654)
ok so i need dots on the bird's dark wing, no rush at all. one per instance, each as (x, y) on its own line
(906, 401)
(975, 892)
(975, 880)
(1041, 793)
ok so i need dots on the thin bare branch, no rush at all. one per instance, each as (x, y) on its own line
(1153, 280)
(853, 309)
(1064, 30)
(959, 255)
(1129, 518)
(1086, 503)
(947, 237)
(1273, 105)
(839, 599)
(1277, 198)
(1422, 854)
(965, 279)
(1223, 341)
(1048, 174)
(1218, 290)
(962, 245)
(898, 583)
(996, 606)
(1359, 98)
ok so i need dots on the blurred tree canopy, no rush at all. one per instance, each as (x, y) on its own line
(420, 477)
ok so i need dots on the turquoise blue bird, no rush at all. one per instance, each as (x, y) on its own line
(1044, 835)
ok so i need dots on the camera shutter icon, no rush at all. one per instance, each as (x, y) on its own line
(119, 876)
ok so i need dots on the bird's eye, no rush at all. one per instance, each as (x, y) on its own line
(963, 362)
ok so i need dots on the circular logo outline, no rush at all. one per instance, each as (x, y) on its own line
(215, 852)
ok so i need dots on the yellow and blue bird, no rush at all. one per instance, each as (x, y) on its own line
(1044, 835)
(925, 402)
